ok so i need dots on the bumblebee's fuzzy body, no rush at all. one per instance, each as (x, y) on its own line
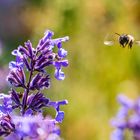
(125, 40)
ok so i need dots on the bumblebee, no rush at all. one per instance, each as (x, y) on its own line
(124, 40)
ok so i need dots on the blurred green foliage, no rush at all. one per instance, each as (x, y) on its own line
(96, 73)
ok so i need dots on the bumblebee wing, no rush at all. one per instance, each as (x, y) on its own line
(108, 43)
(109, 40)
(137, 42)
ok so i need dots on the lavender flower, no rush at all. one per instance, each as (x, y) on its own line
(6, 125)
(127, 119)
(5, 104)
(56, 105)
(35, 128)
(21, 112)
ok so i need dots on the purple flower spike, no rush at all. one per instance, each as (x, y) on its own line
(34, 127)
(26, 98)
(127, 119)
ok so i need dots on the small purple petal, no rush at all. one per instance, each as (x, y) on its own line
(15, 96)
(43, 65)
(57, 64)
(48, 35)
(119, 123)
(35, 79)
(28, 44)
(15, 52)
(59, 75)
(28, 112)
(57, 104)
(59, 44)
(62, 53)
(37, 101)
(126, 102)
(117, 135)
(26, 63)
(59, 116)
(18, 59)
(12, 65)
(64, 63)
(62, 39)
(23, 50)
(122, 113)
(6, 103)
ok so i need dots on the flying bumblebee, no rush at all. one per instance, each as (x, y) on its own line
(123, 39)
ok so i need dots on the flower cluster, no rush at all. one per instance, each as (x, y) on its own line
(127, 120)
(21, 114)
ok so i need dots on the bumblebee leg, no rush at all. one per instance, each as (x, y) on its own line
(122, 44)
(130, 44)
(127, 43)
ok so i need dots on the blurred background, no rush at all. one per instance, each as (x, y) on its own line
(96, 73)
